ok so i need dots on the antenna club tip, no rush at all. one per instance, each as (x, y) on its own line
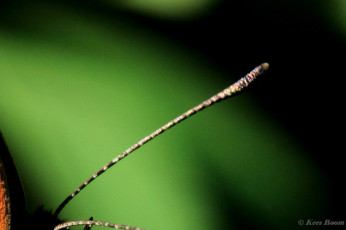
(265, 65)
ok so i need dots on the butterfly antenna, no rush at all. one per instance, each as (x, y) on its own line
(88, 227)
(230, 91)
(96, 223)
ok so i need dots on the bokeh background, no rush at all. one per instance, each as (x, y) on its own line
(81, 81)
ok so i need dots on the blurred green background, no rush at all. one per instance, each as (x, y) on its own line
(80, 82)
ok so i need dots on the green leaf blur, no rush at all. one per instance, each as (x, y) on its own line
(76, 90)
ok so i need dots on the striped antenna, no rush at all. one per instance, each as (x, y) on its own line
(228, 92)
(96, 223)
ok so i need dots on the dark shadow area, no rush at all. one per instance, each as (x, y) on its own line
(235, 211)
(232, 211)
